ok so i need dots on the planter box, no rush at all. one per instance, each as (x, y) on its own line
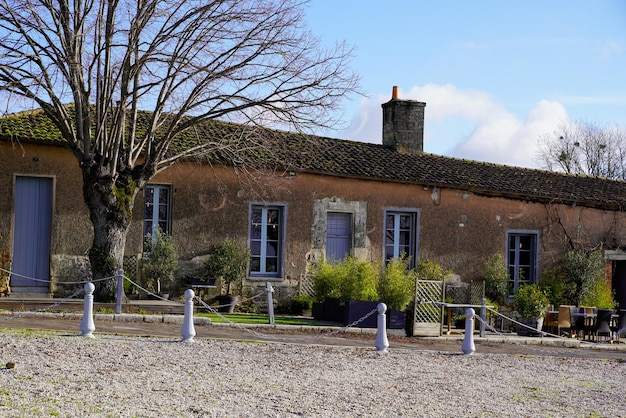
(333, 310)
(535, 323)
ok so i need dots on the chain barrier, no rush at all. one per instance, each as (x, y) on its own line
(47, 281)
(154, 295)
(44, 309)
(583, 344)
(279, 338)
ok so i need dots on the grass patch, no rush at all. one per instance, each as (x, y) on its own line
(256, 319)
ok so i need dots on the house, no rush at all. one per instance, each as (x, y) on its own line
(327, 198)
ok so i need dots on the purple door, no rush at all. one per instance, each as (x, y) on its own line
(32, 222)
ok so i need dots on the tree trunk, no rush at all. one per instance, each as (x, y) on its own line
(110, 206)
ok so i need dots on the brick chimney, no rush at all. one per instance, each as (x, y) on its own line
(403, 124)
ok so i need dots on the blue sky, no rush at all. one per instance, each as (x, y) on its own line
(495, 75)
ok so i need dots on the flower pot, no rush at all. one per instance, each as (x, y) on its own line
(535, 323)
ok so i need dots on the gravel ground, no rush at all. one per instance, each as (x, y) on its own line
(114, 376)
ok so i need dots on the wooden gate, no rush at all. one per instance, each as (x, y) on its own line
(428, 308)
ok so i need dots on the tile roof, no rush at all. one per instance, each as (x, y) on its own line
(342, 158)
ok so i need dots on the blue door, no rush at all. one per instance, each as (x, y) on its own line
(32, 222)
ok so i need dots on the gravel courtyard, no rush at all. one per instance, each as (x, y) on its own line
(113, 376)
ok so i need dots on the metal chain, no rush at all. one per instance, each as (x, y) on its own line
(530, 346)
(278, 338)
(47, 281)
(47, 308)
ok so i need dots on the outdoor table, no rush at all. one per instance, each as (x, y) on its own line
(450, 306)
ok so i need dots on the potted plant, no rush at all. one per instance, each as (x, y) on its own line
(159, 263)
(301, 305)
(531, 303)
(228, 261)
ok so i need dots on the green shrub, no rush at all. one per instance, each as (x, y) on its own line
(496, 276)
(300, 303)
(326, 279)
(581, 270)
(351, 279)
(396, 287)
(157, 268)
(553, 285)
(530, 301)
(429, 270)
(229, 262)
(599, 295)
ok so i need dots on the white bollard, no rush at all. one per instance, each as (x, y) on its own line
(188, 331)
(87, 326)
(468, 341)
(381, 334)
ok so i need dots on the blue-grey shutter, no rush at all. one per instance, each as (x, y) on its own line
(338, 235)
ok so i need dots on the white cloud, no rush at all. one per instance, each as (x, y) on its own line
(467, 124)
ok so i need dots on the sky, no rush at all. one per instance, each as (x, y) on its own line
(495, 75)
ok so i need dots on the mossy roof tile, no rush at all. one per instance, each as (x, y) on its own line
(343, 158)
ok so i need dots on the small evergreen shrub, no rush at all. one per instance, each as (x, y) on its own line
(429, 270)
(530, 301)
(496, 276)
(229, 262)
(396, 287)
(160, 262)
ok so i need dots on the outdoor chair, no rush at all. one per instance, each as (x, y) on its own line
(589, 321)
(563, 319)
(551, 320)
(620, 328)
(603, 323)
(577, 321)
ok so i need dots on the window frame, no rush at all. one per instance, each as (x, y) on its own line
(280, 253)
(514, 267)
(414, 234)
(155, 209)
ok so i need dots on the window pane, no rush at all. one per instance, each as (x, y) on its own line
(271, 249)
(271, 265)
(147, 228)
(405, 238)
(390, 221)
(148, 210)
(255, 247)
(405, 222)
(272, 232)
(524, 242)
(255, 264)
(389, 238)
(255, 232)
(272, 216)
(164, 195)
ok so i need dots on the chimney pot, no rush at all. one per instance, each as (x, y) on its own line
(394, 93)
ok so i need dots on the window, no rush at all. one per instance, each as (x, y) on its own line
(266, 236)
(157, 208)
(338, 235)
(522, 259)
(401, 235)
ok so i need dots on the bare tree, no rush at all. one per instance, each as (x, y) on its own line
(585, 148)
(94, 66)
